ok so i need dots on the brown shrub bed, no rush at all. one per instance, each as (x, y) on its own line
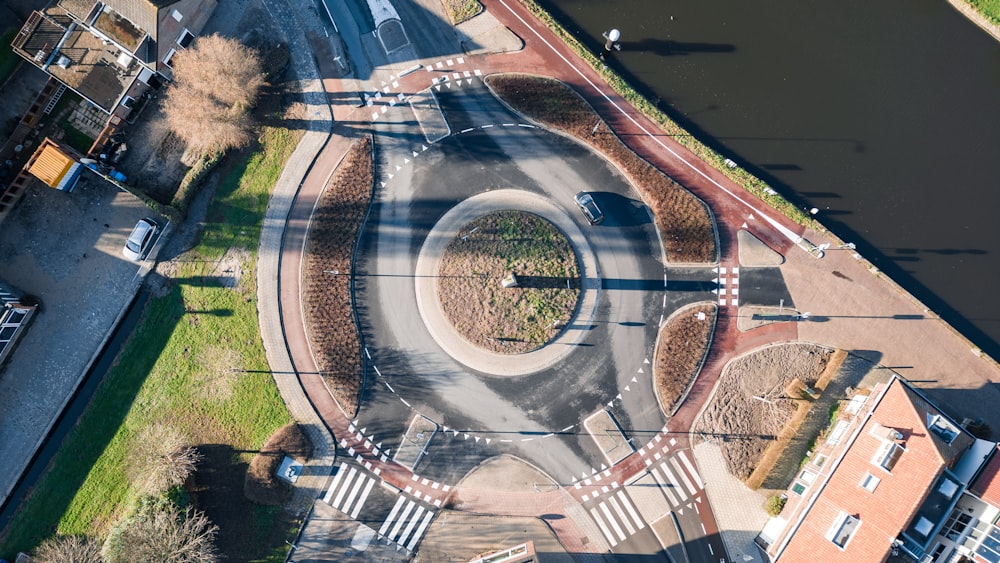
(683, 342)
(683, 220)
(262, 485)
(326, 291)
(510, 320)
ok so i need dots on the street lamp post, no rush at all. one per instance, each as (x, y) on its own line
(611, 41)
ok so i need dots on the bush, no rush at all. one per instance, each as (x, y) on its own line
(775, 504)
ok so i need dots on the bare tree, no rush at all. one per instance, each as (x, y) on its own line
(161, 459)
(216, 83)
(68, 549)
(159, 532)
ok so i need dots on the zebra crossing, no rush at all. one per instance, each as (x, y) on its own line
(407, 520)
(678, 480)
(617, 517)
(349, 490)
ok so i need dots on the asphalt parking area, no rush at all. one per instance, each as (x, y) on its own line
(65, 249)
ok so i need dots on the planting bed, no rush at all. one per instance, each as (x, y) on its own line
(511, 320)
(326, 289)
(682, 219)
(749, 406)
(684, 341)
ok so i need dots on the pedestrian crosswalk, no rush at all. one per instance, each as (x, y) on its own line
(676, 483)
(406, 522)
(617, 517)
(349, 490)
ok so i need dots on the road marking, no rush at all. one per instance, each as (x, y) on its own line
(684, 477)
(392, 514)
(612, 521)
(333, 486)
(691, 469)
(664, 486)
(340, 495)
(604, 529)
(420, 531)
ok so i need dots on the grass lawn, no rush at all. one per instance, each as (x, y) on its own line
(195, 362)
(8, 60)
(989, 8)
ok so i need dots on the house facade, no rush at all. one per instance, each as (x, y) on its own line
(891, 481)
(110, 52)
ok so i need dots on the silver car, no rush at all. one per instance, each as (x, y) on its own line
(140, 240)
(589, 207)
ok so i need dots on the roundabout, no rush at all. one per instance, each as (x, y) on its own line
(427, 281)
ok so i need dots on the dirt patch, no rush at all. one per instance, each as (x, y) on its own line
(326, 286)
(262, 484)
(474, 266)
(684, 341)
(750, 406)
(683, 220)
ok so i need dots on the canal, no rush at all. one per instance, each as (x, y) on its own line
(884, 115)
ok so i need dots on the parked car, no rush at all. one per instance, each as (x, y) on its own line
(140, 240)
(589, 207)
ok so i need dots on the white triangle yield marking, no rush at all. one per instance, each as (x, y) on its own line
(446, 429)
(744, 226)
(611, 403)
(603, 467)
(406, 161)
(646, 361)
(438, 87)
(398, 168)
(626, 388)
(488, 441)
(640, 370)
(355, 423)
(415, 154)
(680, 511)
(383, 184)
(448, 84)
(466, 436)
(750, 216)
(423, 148)
(618, 396)
(477, 439)
(468, 81)
(379, 445)
(363, 430)
(390, 176)
(634, 379)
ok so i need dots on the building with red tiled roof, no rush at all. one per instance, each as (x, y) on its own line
(881, 485)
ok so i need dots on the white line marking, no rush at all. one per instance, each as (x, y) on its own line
(420, 530)
(409, 527)
(364, 497)
(624, 518)
(612, 521)
(604, 529)
(347, 485)
(684, 477)
(631, 510)
(467, 130)
(391, 516)
(691, 469)
(336, 481)
(390, 387)
(404, 401)
(402, 519)
(673, 481)
(664, 486)
(526, 125)
(354, 493)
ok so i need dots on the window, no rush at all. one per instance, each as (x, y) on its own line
(807, 477)
(185, 39)
(176, 15)
(887, 455)
(838, 432)
(870, 482)
(168, 56)
(819, 460)
(843, 529)
(942, 428)
(799, 488)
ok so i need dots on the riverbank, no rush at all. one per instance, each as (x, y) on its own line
(988, 21)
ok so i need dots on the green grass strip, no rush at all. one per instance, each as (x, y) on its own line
(195, 361)
(749, 182)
